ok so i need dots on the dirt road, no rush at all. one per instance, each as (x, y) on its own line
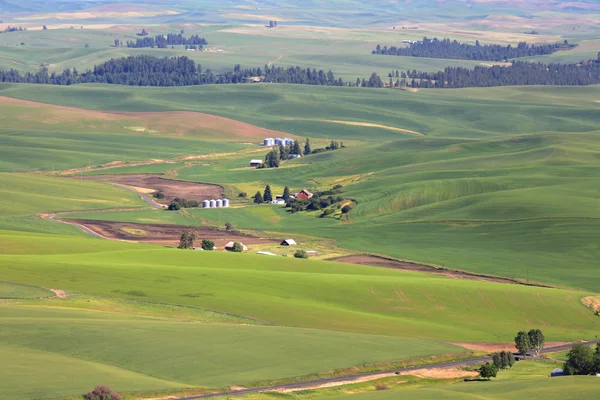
(355, 378)
(381, 262)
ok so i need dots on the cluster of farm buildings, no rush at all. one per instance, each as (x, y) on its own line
(278, 142)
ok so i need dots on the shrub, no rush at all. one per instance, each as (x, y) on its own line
(208, 244)
(381, 386)
(243, 195)
(102, 392)
(229, 226)
(346, 209)
(174, 206)
(300, 254)
(237, 247)
(159, 195)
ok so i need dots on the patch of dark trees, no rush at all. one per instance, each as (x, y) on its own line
(146, 70)
(178, 204)
(281, 153)
(164, 41)
(582, 360)
(518, 74)
(14, 29)
(452, 49)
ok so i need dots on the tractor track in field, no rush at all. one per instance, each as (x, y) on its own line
(349, 379)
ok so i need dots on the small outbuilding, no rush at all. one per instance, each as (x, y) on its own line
(278, 201)
(229, 246)
(256, 163)
(289, 242)
(557, 372)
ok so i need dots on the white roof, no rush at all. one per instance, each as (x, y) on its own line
(266, 253)
(290, 241)
(256, 161)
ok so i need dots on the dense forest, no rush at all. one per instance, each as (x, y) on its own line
(445, 48)
(519, 73)
(171, 39)
(145, 70)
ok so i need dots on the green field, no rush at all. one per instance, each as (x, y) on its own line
(579, 387)
(351, 298)
(194, 354)
(495, 181)
(15, 291)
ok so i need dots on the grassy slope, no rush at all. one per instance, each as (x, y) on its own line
(297, 292)
(16, 291)
(194, 354)
(298, 109)
(457, 203)
(579, 387)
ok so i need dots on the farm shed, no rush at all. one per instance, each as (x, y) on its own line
(229, 246)
(278, 201)
(289, 242)
(304, 195)
(557, 372)
(256, 163)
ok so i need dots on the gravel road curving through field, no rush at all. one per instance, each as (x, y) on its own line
(348, 379)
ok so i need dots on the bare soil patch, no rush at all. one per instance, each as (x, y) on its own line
(164, 234)
(495, 347)
(441, 373)
(593, 303)
(60, 294)
(33, 115)
(145, 183)
(406, 266)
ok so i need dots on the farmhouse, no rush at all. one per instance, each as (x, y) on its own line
(229, 246)
(269, 141)
(256, 163)
(289, 242)
(304, 195)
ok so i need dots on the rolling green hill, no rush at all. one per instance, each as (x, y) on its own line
(297, 293)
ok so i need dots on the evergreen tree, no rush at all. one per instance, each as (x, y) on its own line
(307, 149)
(286, 194)
(258, 199)
(268, 196)
(296, 148)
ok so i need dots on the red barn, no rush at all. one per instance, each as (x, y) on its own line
(304, 195)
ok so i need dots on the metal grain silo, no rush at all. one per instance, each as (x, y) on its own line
(213, 203)
(206, 204)
(225, 202)
(219, 203)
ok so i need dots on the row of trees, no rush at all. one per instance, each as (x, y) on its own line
(146, 70)
(582, 360)
(281, 153)
(500, 361)
(164, 41)
(14, 29)
(532, 341)
(452, 49)
(519, 73)
(266, 196)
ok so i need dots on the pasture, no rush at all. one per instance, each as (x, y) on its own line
(284, 292)
(92, 344)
